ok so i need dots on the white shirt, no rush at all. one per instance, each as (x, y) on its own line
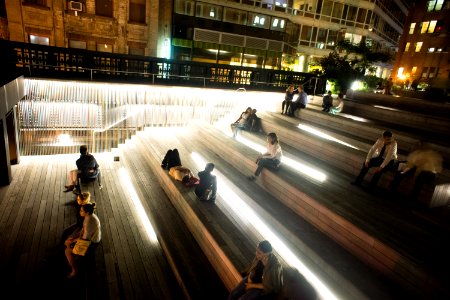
(91, 228)
(389, 154)
(273, 151)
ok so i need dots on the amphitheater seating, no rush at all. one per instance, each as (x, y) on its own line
(220, 235)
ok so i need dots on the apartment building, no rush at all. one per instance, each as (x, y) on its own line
(423, 49)
(287, 34)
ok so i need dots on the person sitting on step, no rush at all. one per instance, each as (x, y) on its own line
(87, 170)
(91, 231)
(272, 157)
(381, 156)
(207, 188)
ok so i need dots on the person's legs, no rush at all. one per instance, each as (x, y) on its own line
(283, 104)
(374, 162)
(70, 259)
(72, 180)
(213, 189)
(166, 157)
(238, 291)
(265, 162)
(99, 178)
(376, 177)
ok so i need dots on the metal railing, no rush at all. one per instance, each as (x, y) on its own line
(76, 64)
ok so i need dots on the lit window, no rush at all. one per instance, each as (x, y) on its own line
(439, 50)
(414, 70)
(434, 5)
(282, 24)
(431, 49)
(400, 72)
(275, 23)
(432, 26)
(256, 21)
(212, 13)
(424, 27)
(407, 47)
(411, 28)
(418, 46)
(261, 21)
(41, 40)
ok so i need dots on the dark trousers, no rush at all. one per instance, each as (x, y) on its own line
(207, 193)
(294, 106)
(374, 162)
(171, 159)
(240, 293)
(266, 163)
(285, 104)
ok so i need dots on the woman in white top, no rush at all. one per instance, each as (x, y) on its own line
(91, 231)
(272, 157)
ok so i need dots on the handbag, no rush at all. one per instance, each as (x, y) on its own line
(81, 247)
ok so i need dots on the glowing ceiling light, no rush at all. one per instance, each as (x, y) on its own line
(248, 216)
(324, 135)
(297, 166)
(129, 188)
(64, 139)
(385, 107)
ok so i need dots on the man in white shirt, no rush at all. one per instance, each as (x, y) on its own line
(381, 156)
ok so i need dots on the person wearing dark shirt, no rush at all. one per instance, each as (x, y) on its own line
(87, 170)
(264, 279)
(327, 102)
(206, 190)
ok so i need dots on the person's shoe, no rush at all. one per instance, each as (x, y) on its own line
(69, 188)
(282, 113)
(251, 178)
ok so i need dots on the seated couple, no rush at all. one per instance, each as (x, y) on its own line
(206, 187)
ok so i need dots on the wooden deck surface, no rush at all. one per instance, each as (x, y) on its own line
(128, 265)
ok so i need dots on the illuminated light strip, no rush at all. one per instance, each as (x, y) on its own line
(126, 182)
(385, 107)
(248, 216)
(324, 135)
(355, 118)
(297, 166)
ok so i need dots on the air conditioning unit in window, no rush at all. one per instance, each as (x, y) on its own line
(74, 5)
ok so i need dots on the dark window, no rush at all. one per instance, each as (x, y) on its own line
(2, 9)
(37, 2)
(137, 11)
(104, 8)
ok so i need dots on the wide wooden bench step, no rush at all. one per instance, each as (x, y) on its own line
(302, 196)
(192, 269)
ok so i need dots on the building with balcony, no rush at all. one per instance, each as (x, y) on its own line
(283, 34)
(423, 49)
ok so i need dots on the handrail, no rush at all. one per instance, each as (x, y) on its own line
(205, 79)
